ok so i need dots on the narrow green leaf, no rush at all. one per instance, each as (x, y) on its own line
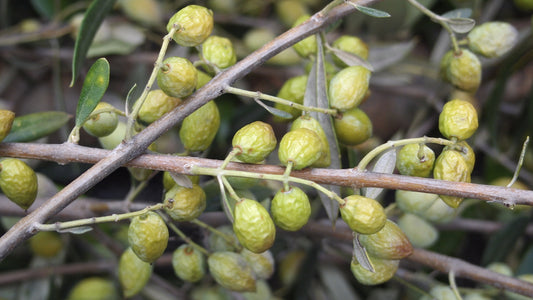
(336, 283)
(274, 111)
(37, 125)
(351, 59)
(387, 55)
(501, 243)
(316, 95)
(181, 179)
(376, 13)
(93, 90)
(76, 230)
(385, 164)
(461, 25)
(44, 7)
(360, 254)
(94, 16)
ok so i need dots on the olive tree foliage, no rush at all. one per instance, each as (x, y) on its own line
(379, 207)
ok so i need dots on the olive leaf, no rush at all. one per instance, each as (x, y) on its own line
(385, 56)
(181, 179)
(93, 90)
(37, 125)
(376, 13)
(526, 266)
(385, 164)
(461, 25)
(458, 13)
(274, 111)
(94, 16)
(351, 59)
(76, 230)
(336, 283)
(360, 254)
(316, 95)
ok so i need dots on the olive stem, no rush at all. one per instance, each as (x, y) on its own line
(221, 234)
(391, 144)
(133, 193)
(217, 172)
(438, 19)
(183, 236)
(157, 65)
(60, 226)
(259, 95)
(286, 176)
(453, 285)
(230, 189)
(235, 151)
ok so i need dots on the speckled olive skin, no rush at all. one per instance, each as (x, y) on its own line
(413, 161)
(253, 226)
(177, 77)
(133, 273)
(301, 146)
(311, 123)
(195, 24)
(18, 182)
(148, 236)
(290, 209)
(200, 128)
(255, 141)
(451, 165)
(185, 204)
(363, 215)
(458, 119)
(348, 87)
(388, 243)
(384, 270)
(230, 270)
(188, 263)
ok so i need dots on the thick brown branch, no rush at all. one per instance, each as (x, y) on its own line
(344, 177)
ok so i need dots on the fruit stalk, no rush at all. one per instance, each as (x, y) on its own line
(183, 236)
(392, 144)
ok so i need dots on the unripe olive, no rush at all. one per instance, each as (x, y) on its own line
(230, 270)
(439, 212)
(466, 152)
(185, 204)
(351, 44)
(253, 226)
(200, 128)
(464, 71)
(290, 209)
(262, 292)
(419, 232)
(195, 24)
(363, 215)
(156, 104)
(306, 121)
(293, 90)
(413, 161)
(262, 263)
(415, 202)
(255, 141)
(476, 296)
(492, 39)
(501, 268)
(148, 236)
(114, 139)
(46, 244)
(348, 87)
(352, 127)
(384, 269)
(219, 51)
(188, 263)
(177, 77)
(388, 243)
(202, 78)
(6, 121)
(18, 182)
(450, 165)
(458, 119)
(133, 273)
(440, 292)
(147, 12)
(301, 146)
(288, 11)
(94, 288)
(101, 124)
(306, 47)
